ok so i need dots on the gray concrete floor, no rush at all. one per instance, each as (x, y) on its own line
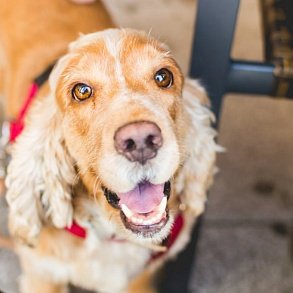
(245, 245)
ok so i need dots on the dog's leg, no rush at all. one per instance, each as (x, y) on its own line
(32, 283)
(143, 284)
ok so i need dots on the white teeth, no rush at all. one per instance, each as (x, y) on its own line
(140, 221)
(137, 221)
(159, 213)
(127, 212)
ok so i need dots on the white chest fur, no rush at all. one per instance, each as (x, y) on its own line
(103, 266)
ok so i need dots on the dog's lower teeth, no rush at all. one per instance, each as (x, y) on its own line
(138, 219)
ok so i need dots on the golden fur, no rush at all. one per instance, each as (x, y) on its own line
(66, 154)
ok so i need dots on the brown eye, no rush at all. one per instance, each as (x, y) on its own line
(81, 92)
(164, 78)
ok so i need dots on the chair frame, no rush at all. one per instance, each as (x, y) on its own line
(212, 64)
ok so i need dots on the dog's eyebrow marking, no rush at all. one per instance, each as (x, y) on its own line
(113, 42)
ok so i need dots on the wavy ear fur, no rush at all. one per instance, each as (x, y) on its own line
(197, 171)
(41, 172)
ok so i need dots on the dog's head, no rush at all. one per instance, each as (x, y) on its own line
(122, 125)
(120, 93)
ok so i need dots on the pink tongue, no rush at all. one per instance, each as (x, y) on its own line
(144, 198)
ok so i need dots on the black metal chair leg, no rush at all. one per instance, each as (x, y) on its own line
(212, 42)
(177, 273)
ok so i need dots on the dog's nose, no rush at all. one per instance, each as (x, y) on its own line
(138, 141)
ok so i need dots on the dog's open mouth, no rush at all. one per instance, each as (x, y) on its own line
(143, 209)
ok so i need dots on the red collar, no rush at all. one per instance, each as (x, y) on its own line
(172, 237)
(17, 125)
(76, 230)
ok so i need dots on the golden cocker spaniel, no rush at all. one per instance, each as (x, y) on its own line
(120, 148)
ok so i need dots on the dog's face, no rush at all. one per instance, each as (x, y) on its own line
(119, 92)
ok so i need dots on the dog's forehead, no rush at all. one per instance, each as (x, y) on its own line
(120, 44)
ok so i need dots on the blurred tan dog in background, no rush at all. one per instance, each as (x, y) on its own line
(113, 146)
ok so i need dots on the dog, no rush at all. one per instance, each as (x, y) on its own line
(113, 163)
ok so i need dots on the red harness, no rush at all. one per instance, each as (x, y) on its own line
(76, 230)
(17, 125)
(170, 240)
(16, 128)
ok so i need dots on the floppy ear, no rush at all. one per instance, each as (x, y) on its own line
(197, 171)
(41, 172)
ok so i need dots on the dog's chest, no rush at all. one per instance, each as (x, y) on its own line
(101, 266)
(110, 266)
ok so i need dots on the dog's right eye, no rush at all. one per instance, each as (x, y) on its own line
(164, 78)
(81, 92)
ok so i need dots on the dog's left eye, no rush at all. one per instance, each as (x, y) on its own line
(81, 92)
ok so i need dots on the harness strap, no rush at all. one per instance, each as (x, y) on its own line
(76, 230)
(17, 125)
